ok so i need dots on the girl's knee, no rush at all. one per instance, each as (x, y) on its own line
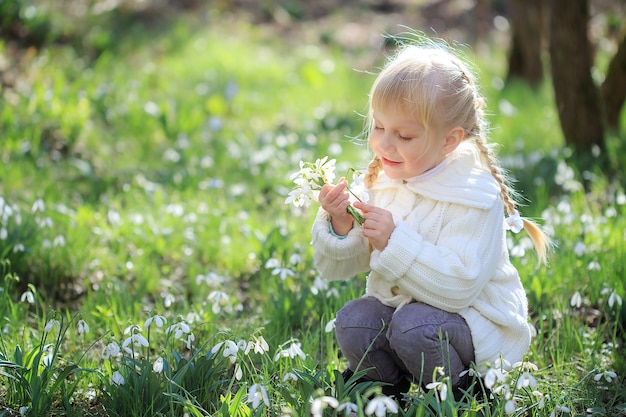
(365, 312)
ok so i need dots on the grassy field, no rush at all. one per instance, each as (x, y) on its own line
(150, 266)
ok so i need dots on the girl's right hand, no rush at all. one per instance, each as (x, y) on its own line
(335, 200)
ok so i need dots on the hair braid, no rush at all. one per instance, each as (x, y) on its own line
(373, 169)
(540, 240)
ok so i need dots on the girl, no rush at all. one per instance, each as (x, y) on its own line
(441, 291)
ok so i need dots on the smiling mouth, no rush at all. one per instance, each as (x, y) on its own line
(389, 162)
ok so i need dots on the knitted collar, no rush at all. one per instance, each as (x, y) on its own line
(460, 178)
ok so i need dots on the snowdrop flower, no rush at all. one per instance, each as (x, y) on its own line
(220, 300)
(292, 351)
(559, 408)
(492, 376)
(28, 297)
(380, 405)
(290, 376)
(159, 321)
(112, 350)
(82, 327)
(509, 407)
(526, 380)
(514, 222)
(614, 297)
(179, 329)
(580, 249)
(157, 366)
(441, 386)
(257, 394)
(47, 359)
(609, 376)
(230, 350)
(117, 379)
(348, 408)
(330, 326)
(576, 300)
(320, 403)
(51, 323)
(132, 329)
(238, 372)
(259, 345)
(136, 340)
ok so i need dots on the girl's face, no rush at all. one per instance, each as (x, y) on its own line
(404, 146)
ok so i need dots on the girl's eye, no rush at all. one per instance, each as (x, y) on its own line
(404, 137)
(378, 127)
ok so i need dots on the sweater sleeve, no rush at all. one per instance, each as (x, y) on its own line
(338, 258)
(450, 272)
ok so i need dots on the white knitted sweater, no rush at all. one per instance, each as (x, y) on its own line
(448, 250)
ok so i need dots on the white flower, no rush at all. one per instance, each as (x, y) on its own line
(514, 222)
(320, 403)
(157, 366)
(509, 407)
(238, 372)
(560, 408)
(28, 297)
(292, 351)
(257, 394)
(609, 376)
(259, 345)
(309, 180)
(230, 350)
(112, 350)
(492, 376)
(330, 326)
(220, 300)
(440, 386)
(136, 340)
(117, 378)
(181, 328)
(576, 300)
(526, 380)
(159, 321)
(132, 329)
(358, 188)
(348, 408)
(380, 405)
(51, 323)
(580, 249)
(614, 297)
(82, 327)
(290, 376)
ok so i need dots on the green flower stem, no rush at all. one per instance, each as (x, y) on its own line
(356, 215)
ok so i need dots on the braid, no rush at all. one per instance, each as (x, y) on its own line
(373, 170)
(540, 240)
(490, 161)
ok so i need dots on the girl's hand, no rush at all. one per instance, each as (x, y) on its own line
(378, 225)
(335, 200)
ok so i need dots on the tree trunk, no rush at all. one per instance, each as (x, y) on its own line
(577, 97)
(526, 41)
(614, 87)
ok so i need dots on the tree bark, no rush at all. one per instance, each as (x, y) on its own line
(614, 87)
(577, 97)
(526, 41)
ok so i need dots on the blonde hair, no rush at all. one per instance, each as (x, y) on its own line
(432, 85)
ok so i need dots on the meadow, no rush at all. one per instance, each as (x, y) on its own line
(150, 265)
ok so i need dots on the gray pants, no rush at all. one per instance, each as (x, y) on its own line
(409, 343)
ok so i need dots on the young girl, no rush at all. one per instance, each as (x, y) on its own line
(441, 290)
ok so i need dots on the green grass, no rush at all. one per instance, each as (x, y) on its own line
(149, 179)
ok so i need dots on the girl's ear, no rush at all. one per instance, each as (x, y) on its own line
(454, 137)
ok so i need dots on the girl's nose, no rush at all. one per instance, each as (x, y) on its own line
(386, 141)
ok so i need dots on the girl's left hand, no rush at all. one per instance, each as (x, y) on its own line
(378, 225)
